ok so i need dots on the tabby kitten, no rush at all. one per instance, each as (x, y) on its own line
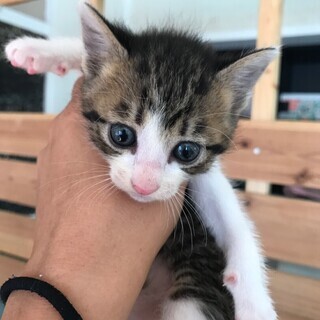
(161, 106)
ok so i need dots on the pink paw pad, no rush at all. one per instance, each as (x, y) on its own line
(31, 71)
(231, 278)
(61, 70)
(14, 63)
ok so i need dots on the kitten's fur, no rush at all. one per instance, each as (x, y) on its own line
(169, 86)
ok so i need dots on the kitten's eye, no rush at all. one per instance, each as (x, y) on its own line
(122, 135)
(186, 151)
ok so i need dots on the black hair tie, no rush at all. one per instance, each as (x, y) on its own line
(44, 290)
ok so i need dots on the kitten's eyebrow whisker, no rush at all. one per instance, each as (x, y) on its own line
(230, 139)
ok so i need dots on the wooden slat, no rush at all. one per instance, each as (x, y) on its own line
(98, 4)
(265, 98)
(279, 152)
(8, 267)
(18, 182)
(12, 2)
(296, 296)
(16, 234)
(23, 133)
(289, 228)
(288, 316)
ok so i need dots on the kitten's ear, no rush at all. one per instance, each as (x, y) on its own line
(241, 76)
(100, 44)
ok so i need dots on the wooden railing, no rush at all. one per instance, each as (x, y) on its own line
(274, 152)
(12, 2)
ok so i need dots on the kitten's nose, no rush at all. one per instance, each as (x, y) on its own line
(145, 190)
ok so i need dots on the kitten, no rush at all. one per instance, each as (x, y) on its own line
(161, 106)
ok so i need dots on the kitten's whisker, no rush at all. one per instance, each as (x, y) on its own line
(166, 213)
(181, 222)
(192, 203)
(112, 191)
(191, 228)
(78, 181)
(94, 195)
(171, 212)
(86, 162)
(87, 189)
(71, 175)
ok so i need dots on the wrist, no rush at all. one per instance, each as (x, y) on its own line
(25, 305)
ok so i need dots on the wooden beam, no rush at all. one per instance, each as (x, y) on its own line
(278, 152)
(282, 222)
(16, 234)
(296, 296)
(23, 134)
(98, 4)
(265, 98)
(18, 182)
(9, 266)
(287, 316)
(12, 2)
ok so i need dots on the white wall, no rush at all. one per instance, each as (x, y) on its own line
(63, 19)
(35, 8)
(224, 22)
(219, 21)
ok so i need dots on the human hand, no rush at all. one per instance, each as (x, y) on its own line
(92, 241)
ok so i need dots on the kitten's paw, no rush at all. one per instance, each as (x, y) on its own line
(34, 56)
(251, 298)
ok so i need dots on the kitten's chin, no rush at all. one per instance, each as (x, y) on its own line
(141, 198)
(150, 198)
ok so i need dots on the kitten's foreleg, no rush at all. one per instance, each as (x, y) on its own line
(40, 55)
(245, 272)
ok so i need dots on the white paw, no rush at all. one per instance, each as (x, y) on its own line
(251, 300)
(35, 56)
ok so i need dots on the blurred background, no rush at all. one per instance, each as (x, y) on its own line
(230, 25)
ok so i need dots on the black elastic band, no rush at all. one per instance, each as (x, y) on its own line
(44, 290)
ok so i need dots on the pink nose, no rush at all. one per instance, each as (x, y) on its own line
(145, 191)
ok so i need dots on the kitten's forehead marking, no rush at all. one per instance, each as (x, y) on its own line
(151, 147)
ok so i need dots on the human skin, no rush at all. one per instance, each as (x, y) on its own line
(92, 241)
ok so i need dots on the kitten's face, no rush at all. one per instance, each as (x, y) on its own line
(154, 141)
(160, 106)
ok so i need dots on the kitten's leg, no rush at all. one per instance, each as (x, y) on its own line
(197, 264)
(40, 55)
(244, 275)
